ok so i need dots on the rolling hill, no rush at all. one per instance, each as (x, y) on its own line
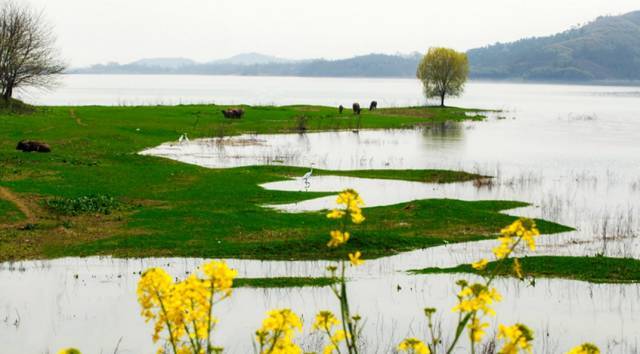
(605, 49)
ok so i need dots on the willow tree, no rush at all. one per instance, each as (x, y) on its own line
(443, 72)
(28, 56)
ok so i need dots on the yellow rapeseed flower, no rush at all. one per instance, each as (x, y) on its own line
(338, 238)
(504, 249)
(220, 275)
(517, 337)
(357, 218)
(69, 351)
(477, 297)
(325, 320)
(480, 265)
(413, 346)
(329, 348)
(339, 336)
(354, 258)
(525, 228)
(336, 214)
(276, 334)
(586, 348)
(517, 269)
(350, 199)
(476, 330)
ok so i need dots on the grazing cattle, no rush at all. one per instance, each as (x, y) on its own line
(373, 105)
(233, 113)
(356, 108)
(340, 109)
(36, 146)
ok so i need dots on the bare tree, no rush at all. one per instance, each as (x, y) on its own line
(28, 56)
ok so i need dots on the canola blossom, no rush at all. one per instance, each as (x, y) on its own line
(517, 339)
(69, 351)
(355, 260)
(351, 200)
(338, 238)
(477, 330)
(480, 265)
(524, 228)
(586, 348)
(517, 269)
(277, 332)
(477, 297)
(413, 346)
(335, 214)
(183, 310)
(325, 320)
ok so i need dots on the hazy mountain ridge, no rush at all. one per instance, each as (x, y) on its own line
(251, 59)
(164, 62)
(607, 48)
(371, 65)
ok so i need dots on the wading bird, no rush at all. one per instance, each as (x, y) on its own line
(307, 176)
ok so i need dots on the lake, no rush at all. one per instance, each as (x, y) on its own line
(570, 151)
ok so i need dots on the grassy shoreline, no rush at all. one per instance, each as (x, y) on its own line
(590, 269)
(175, 209)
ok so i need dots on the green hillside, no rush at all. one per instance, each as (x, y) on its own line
(605, 49)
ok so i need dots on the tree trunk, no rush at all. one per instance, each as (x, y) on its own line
(442, 100)
(8, 93)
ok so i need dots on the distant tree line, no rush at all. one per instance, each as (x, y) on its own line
(372, 65)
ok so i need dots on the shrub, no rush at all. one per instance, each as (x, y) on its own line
(92, 204)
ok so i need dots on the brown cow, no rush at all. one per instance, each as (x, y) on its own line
(233, 113)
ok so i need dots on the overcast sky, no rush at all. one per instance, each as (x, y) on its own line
(99, 31)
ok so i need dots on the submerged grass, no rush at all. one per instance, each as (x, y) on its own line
(591, 269)
(184, 210)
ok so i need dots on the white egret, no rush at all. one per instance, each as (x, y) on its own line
(307, 176)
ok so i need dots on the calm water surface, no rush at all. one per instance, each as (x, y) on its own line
(570, 151)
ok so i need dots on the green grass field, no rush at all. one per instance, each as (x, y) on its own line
(176, 209)
(9, 213)
(590, 269)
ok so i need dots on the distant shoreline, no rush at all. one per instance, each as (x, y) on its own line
(628, 83)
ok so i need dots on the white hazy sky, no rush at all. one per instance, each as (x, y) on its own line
(98, 31)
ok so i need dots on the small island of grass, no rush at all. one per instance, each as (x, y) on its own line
(590, 269)
(283, 282)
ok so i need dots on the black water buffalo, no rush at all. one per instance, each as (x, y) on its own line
(373, 105)
(356, 108)
(340, 109)
(35, 146)
(233, 113)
